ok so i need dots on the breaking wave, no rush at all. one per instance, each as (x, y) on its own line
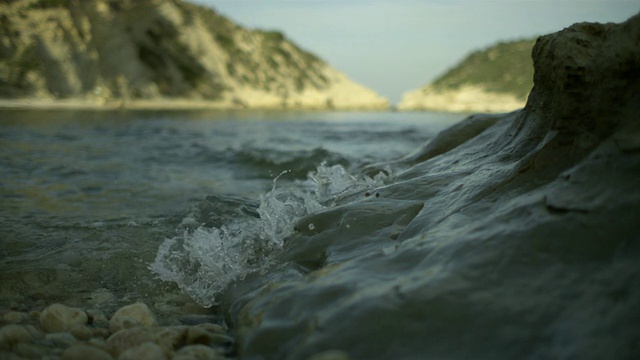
(226, 239)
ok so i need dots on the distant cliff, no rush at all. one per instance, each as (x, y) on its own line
(144, 51)
(496, 79)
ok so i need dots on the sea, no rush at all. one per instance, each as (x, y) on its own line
(105, 208)
(383, 235)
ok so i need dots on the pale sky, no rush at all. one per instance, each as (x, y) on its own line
(393, 46)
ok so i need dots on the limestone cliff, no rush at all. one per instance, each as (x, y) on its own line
(127, 52)
(496, 79)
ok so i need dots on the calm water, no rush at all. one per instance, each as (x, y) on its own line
(88, 198)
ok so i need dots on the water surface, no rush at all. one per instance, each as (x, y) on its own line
(89, 197)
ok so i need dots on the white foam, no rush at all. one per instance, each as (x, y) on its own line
(204, 261)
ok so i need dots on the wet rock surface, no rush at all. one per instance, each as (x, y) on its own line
(526, 245)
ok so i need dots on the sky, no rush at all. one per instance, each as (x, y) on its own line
(393, 46)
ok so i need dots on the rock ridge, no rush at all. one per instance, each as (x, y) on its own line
(129, 53)
(529, 232)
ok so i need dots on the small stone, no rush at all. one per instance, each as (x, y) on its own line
(330, 355)
(15, 317)
(133, 315)
(213, 328)
(99, 343)
(63, 340)
(129, 338)
(196, 319)
(30, 351)
(59, 318)
(81, 332)
(10, 335)
(35, 314)
(146, 351)
(100, 333)
(35, 333)
(85, 352)
(197, 352)
(195, 335)
(97, 318)
(220, 339)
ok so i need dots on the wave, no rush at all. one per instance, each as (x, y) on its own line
(298, 163)
(224, 239)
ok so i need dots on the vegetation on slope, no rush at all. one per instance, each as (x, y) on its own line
(503, 68)
(138, 49)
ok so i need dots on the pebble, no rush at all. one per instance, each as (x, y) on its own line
(30, 351)
(194, 335)
(85, 352)
(81, 332)
(330, 355)
(133, 315)
(97, 318)
(99, 343)
(71, 334)
(15, 317)
(212, 328)
(100, 333)
(11, 335)
(197, 352)
(61, 339)
(59, 318)
(146, 351)
(129, 338)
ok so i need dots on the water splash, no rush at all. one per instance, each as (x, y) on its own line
(203, 261)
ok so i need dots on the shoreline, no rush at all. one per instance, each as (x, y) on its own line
(131, 332)
(188, 105)
(159, 104)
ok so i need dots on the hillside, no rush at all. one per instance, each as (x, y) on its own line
(158, 53)
(495, 79)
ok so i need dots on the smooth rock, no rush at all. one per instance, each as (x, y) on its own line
(12, 356)
(85, 352)
(195, 335)
(61, 339)
(197, 352)
(220, 339)
(146, 351)
(11, 335)
(526, 247)
(212, 328)
(30, 350)
(81, 332)
(59, 318)
(100, 333)
(125, 339)
(133, 315)
(98, 343)
(330, 355)
(15, 317)
(97, 318)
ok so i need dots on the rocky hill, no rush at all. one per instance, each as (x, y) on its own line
(158, 53)
(496, 79)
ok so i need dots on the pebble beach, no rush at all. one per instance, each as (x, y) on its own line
(58, 331)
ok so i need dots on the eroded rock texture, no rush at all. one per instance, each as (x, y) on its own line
(519, 238)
